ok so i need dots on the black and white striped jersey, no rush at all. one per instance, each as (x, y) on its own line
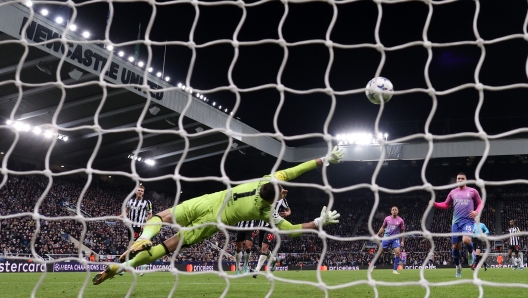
(281, 206)
(514, 240)
(138, 211)
(247, 224)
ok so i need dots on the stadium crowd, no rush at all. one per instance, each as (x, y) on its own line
(103, 233)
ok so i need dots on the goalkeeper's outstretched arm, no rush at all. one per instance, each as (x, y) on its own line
(294, 172)
(326, 218)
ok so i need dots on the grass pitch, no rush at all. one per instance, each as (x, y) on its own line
(339, 283)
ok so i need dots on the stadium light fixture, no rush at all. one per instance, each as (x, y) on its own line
(219, 107)
(150, 69)
(360, 138)
(158, 74)
(37, 130)
(59, 20)
(121, 54)
(179, 85)
(62, 166)
(86, 34)
(150, 162)
(48, 133)
(167, 79)
(73, 27)
(214, 103)
(131, 59)
(140, 63)
(9, 122)
(28, 3)
(44, 12)
(226, 110)
(110, 47)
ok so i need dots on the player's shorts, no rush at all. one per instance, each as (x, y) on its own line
(242, 236)
(465, 227)
(137, 233)
(394, 243)
(478, 244)
(266, 237)
(195, 212)
(514, 248)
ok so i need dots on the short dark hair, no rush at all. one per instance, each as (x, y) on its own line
(462, 173)
(141, 186)
(267, 192)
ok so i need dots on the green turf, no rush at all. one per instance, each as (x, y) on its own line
(211, 285)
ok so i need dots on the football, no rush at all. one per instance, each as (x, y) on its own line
(378, 88)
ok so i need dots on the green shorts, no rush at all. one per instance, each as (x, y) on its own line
(194, 212)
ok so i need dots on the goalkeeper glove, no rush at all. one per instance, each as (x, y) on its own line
(326, 218)
(335, 157)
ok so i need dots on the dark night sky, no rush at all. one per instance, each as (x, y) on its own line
(451, 66)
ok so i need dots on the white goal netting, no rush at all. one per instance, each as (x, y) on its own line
(211, 94)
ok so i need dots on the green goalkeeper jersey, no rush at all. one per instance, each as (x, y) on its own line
(245, 202)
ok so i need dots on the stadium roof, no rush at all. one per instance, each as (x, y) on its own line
(120, 106)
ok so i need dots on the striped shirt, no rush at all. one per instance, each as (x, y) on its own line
(514, 240)
(247, 224)
(281, 206)
(138, 211)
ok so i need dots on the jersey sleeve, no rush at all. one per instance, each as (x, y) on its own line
(292, 173)
(285, 203)
(287, 226)
(485, 229)
(476, 198)
(402, 226)
(384, 225)
(449, 199)
(149, 207)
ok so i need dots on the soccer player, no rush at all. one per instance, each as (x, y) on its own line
(244, 238)
(392, 225)
(463, 199)
(247, 201)
(138, 210)
(266, 238)
(514, 243)
(477, 244)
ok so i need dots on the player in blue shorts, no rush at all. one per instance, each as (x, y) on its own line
(392, 225)
(463, 199)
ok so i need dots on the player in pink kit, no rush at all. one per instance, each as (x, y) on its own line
(463, 199)
(392, 225)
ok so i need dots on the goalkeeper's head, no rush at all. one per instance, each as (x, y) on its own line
(267, 192)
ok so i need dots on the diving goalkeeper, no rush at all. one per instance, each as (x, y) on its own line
(247, 201)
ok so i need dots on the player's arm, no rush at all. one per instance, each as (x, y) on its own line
(485, 229)
(287, 210)
(445, 204)
(383, 226)
(402, 230)
(149, 210)
(326, 218)
(478, 201)
(292, 173)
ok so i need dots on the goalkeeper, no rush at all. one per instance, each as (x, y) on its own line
(247, 201)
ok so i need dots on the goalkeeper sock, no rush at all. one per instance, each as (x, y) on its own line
(477, 259)
(396, 262)
(456, 256)
(144, 257)
(469, 248)
(151, 229)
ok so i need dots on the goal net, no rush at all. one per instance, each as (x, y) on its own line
(189, 98)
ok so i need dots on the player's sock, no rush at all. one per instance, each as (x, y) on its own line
(238, 256)
(262, 259)
(144, 257)
(469, 248)
(396, 262)
(456, 256)
(477, 259)
(152, 228)
(247, 255)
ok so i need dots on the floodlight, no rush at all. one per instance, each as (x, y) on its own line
(48, 133)
(9, 122)
(167, 79)
(158, 74)
(121, 54)
(65, 138)
(73, 27)
(26, 127)
(59, 20)
(219, 107)
(37, 130)
(86, 34)
(179, 85)
(131, 59)
(140, 63)
(110, 47)
(214, 103)
(28, 3)
(150, 69)
(150, 162)
(18, 125)
(44, 12)
(386, 135)
(226, 110)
